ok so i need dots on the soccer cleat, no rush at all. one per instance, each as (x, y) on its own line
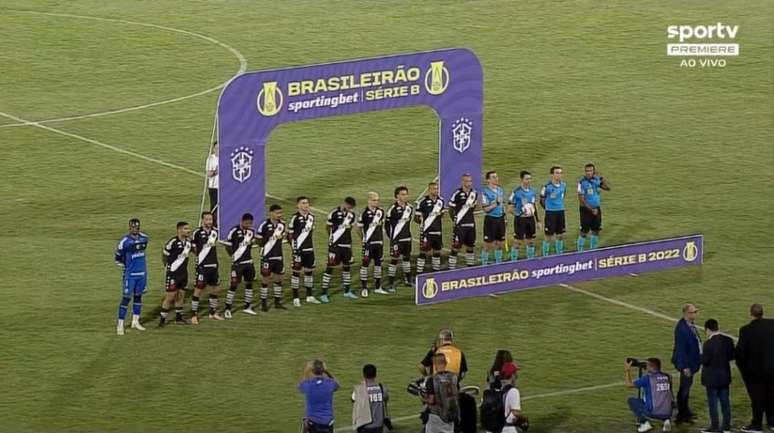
(312, 300)
(249, 310)
(181, 321)
(644, 427)
(381, 291)
(324, 299)
(751, 429)
(350, 295)
(407, 282)
(216, 316)
(194, 320)
(667, 426)
(364, 293)
(137, 325)
(227, 314)
(296, 302)
(391, 288)
(278, 305)
(120, 329)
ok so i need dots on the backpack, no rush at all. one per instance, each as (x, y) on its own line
(493, 409)
(446, 396)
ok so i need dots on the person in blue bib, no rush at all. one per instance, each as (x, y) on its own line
(494, 219)
(552, 200)
(589, 188)
(522, 203)
(130, 256)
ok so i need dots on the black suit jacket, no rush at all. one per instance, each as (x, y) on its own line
(755, 350)
(716, 356)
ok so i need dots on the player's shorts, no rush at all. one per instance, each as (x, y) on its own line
(177, 280)
(554, 222)
(134, 286)
(494, 229)
(242, 271)
(207, 276)
(464, 236)
(303, 259)
(589, 221)
(276, 267)
(339, 255)
(400, 249)
(373, 252)
(431, 242)
(525, 228)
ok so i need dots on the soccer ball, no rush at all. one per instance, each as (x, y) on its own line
(528, 209)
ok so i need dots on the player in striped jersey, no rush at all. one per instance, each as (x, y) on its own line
(239, 244)
(428, 215)
(205, 246)
(130, 256)
(300, 231)
(462, 204)
(370, 223)
(269, 236)
(175, 258)
(398, 229)
(340, 222)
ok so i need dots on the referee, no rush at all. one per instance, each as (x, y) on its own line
(552, 200)
(589, 187)
(494, 219)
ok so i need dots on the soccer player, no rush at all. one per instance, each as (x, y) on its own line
(269, 236)
(300, 238)
(130, 256)
(204, 244)
(175, 258)
(461, 207)
(340, 222)
(428, 216)
(523, 200)
(589, 187)
(398, 229)
(239, 244)
(494, 219)
(552, 200)
(370, 223)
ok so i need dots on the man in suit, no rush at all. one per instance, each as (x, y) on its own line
(755, 359)
(716, 356)
(686, 357)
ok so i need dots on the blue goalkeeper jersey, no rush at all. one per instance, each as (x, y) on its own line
(130, 252)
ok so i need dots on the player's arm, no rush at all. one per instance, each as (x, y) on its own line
(261, 235)
(604, 184)
(166, 251)
(290, 230)
(229, 242)
(543, 197)
(452, 208)
(582, 198)
(119, 255)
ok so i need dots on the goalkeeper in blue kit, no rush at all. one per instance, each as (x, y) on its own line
(130, 255)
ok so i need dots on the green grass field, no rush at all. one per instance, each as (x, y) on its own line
(686, 150)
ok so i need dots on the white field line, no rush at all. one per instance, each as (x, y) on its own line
(232, 50)
(124, 151)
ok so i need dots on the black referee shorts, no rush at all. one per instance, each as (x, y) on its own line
(494, 229)
(589, 221)
(555, 224)
(525, 228)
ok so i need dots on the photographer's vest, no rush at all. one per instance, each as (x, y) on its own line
(453, 357)
(660, 394)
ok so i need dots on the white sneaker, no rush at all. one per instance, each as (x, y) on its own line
(381, 291)
(312, 300)
(136, 323)
(296, 302)
(364, 293)
(120, 327)
(644, 427)
(667, 425)
(249, 310)
(227, 314)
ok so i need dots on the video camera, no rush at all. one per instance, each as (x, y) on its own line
(417, 387)
(642, 365)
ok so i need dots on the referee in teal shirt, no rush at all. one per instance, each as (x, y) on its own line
(589, 188)
(552, 200)
(494, 219)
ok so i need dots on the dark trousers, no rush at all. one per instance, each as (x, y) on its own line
(683, 394)
(637, 406)
(715, 395)
(761, 391)
(370, 430)
(313, 427)
(213, 197)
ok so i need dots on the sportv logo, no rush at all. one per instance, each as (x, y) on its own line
(701, 41)
(719, 30)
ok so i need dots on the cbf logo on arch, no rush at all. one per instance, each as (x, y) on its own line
(400, 82)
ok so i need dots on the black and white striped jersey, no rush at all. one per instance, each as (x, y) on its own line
(462, 204)
(430, 211)
(239, 243)
(204, 244)
(398, 226)
(371, 222)
(300, 231)
(176, 252)
(269, 235)
(341, 221)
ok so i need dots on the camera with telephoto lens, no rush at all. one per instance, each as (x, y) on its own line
(416, 387)
(637, 363)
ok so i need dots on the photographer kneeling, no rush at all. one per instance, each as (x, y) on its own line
(657, 400)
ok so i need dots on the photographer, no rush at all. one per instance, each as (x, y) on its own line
(455, 358)
(657, 399)
(441, 397)
(369, 409)
(318, 387)
(512, 404)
